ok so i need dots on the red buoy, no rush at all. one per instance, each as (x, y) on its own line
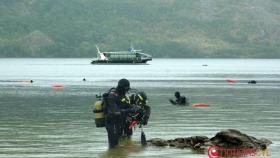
(232, 81)
(58, 86)
(200, 104)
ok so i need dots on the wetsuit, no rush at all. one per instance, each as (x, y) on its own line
(116, 112)
(180, 101)
(126, 108)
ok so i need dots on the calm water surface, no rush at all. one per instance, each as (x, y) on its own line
(39, 121)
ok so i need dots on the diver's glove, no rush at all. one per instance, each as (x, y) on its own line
(172, 102)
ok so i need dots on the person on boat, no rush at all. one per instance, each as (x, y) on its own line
(180, 100)
(116, 110)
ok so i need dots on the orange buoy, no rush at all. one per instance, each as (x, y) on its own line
(58, 86)
(232, 81)
(200, 104)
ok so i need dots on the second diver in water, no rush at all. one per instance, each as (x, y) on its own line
(180, 100)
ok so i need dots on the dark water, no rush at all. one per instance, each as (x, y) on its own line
(39, 121)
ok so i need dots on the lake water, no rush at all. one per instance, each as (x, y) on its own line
(37, 120)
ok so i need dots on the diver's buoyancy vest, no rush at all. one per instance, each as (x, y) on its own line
(124, 102)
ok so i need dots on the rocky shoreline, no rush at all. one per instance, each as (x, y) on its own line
(230, 138)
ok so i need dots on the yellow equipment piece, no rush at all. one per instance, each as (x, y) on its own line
(99, 114)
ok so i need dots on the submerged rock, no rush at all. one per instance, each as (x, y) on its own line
(234, 138)
(196, 142)
(230, 138)
(158, 142)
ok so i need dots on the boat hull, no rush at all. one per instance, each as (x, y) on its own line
(144, 61)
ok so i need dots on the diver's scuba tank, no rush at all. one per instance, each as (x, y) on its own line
(99, 113)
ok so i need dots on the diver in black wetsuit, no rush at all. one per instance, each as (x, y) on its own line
(180, 100)
(117, 109)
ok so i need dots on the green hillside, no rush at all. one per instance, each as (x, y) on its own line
(162, 28)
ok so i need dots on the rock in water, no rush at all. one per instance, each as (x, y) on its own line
(158, 142)
(230, 138)
(234, 138)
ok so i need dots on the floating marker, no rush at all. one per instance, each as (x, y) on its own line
(58, 86)
(201, 105)
(232, 81)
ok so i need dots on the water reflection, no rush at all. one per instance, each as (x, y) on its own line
(126, 147)
(39, 121)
